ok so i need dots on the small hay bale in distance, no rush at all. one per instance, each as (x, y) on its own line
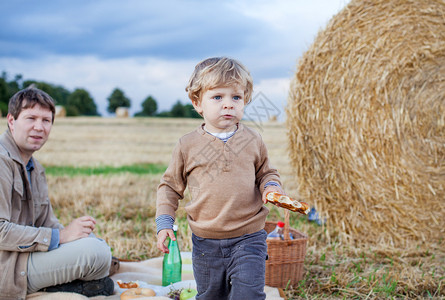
(60, 111)
(122, 112)
(365, 117)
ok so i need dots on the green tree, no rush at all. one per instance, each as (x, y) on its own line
(60, 95)
(149, 107)
(117, 99)
(7, 90)
(57, 92)
(14, 85)
(80, 102)
(4, 96)
(164, 114)
(72, 111)
(178, 110)
(190, 112)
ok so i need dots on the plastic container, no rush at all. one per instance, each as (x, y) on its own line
(277, 233)
(172, 263)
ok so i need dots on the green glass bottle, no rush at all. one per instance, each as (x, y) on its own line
(172, 264)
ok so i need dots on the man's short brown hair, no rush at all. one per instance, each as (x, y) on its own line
(28, 98)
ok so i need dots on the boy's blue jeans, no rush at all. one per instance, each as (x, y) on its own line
(230, 268)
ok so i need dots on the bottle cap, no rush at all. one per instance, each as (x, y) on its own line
(175, 227)
(280, 224)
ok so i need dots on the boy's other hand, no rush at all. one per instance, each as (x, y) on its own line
(272, 188)
(162, 236)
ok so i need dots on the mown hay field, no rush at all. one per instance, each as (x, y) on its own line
(123, 202)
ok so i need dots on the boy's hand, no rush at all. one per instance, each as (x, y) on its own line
(162, 236)
(272, 188)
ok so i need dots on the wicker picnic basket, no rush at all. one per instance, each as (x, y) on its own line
(286, 257)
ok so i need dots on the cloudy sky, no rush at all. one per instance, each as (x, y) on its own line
(151, 47)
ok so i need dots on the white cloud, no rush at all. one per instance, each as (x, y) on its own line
(165, 80)
(290, 15)
(137, 77)
(273, 92)
(150, 48)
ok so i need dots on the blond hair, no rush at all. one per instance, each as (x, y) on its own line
(219, 72)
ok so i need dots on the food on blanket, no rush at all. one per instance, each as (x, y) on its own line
(127, 285)
(174, 294)
(288, 203)
(188, 293)
(137, 293)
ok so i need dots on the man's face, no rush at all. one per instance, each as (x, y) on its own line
(31, 129)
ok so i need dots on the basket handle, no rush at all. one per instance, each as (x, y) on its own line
(286, 225)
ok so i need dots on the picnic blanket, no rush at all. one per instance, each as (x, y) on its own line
(147, 273)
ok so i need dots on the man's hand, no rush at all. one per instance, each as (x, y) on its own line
(162, 236)
(77, 229)
(272, 188)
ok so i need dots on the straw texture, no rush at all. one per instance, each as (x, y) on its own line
(366, 115)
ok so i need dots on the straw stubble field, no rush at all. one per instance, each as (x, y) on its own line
(124, 205)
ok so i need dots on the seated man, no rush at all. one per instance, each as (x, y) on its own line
(36, 251)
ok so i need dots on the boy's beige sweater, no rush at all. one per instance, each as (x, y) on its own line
(225, 180)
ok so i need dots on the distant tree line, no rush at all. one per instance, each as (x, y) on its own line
(76, 103)
(80, 103)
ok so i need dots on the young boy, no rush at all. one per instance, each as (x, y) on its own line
(226, 168)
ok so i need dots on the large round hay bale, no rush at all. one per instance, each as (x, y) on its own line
(366, 115)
